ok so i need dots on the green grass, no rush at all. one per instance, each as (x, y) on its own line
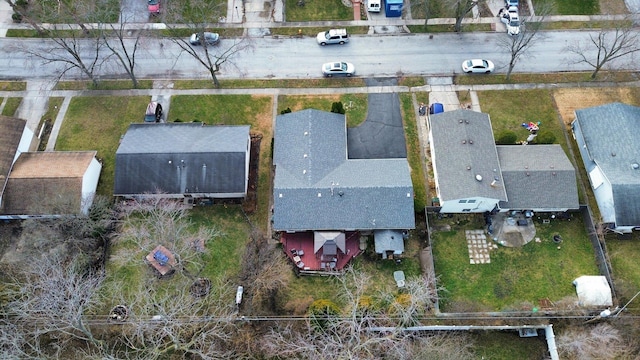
(507, 345)
(103, 85)
(532, 106)
(13, 85)
(53, 107)
(355, 105)
(317, 10)
(271, 84)
(97, 123)
(414, 150)
(439, 28)
(572, 7)
(11, 106)
(624, 255)
(312, 31)
(551, 78)
(411, 81)
(516, 278)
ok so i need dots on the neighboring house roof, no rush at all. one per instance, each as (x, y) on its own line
(180, 158)
(317, 188)
(464, 148)
(46, 183)
(11, 130)
(610, 133)
(537, 177)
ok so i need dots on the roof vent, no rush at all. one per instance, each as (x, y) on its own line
(319, 194)
(528, 174)
(304, 171)
(341, 193)
(635, 166)
(466, 121)
(280, 195)
(479, 177)
(470, 141)
(551, 166)
(306, 133)
(464, 141)
(554, 173)
(304, 156)
(613, 154)
(526, 166)
(460, 121)
(468, 167)
(408, 195)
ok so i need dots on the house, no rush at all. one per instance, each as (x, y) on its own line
(465, 162)
(15, 138)
(607, 137)
(183, 160)
(472, 174)
(49, 184)
(322, 200)
(538, 177)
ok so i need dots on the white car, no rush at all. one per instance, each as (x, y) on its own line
(338, 68)
(511, 19)
(209, 39)
(477, 66)
(333, 36)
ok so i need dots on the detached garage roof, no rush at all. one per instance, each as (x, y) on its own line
(593, 291)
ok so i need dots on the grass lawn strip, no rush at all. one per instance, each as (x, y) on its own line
(11, 106)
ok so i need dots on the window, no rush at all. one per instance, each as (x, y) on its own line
(471, 201)
(462, 201)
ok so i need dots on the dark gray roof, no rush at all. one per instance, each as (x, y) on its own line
(183, 138)
(317, 188)
(182, 158)
(537, 177)
(464, 147)
(610, 134)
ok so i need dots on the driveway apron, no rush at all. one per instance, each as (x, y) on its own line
(382, 134)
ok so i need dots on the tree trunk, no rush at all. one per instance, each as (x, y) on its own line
(595, 72)
(216, 82)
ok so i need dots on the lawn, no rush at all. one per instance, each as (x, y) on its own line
(98, 123)
(355, 105)
(581, 7)
(414, 148)
(11, 106)
(532, 106)
(317, 10)
(517, 278)
(624, 255)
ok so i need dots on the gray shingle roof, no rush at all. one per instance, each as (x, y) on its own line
(182, 158)
(317, 188)
(537, 177)
(464, 147)
(11, 130)
(611, 134)
(183, 138)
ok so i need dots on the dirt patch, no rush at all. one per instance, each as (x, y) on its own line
(250, 203)
(568, 100)
(612, 7)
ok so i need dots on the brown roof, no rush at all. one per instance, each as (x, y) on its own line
(56, 164)
(11, 130)
(46, 183)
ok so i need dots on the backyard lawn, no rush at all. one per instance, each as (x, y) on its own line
(624, 255)
(517, 278)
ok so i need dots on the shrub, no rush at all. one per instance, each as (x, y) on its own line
(321, 311)
(17, 18)
(506, 137)
(545, 137)
(285, 111)
(337, 108)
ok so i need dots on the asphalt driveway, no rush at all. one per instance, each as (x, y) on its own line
(382, 134)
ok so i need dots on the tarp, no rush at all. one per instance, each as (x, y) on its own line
(593, 291)
(321, 237)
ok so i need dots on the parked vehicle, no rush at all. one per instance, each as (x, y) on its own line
(511, 3)
(333, 36)
(338, 68)
(153, 6)
(477, 66)
(209, 39)
(153, 113)
(511, 19)
(374, 5)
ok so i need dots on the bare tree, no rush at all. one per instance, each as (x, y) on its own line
(166, 321)
(198, 21)
(351, 334)
(461, 9)
(606, 46)
(602, 341)
(48, 303)
(519, 45)
(118, 40)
